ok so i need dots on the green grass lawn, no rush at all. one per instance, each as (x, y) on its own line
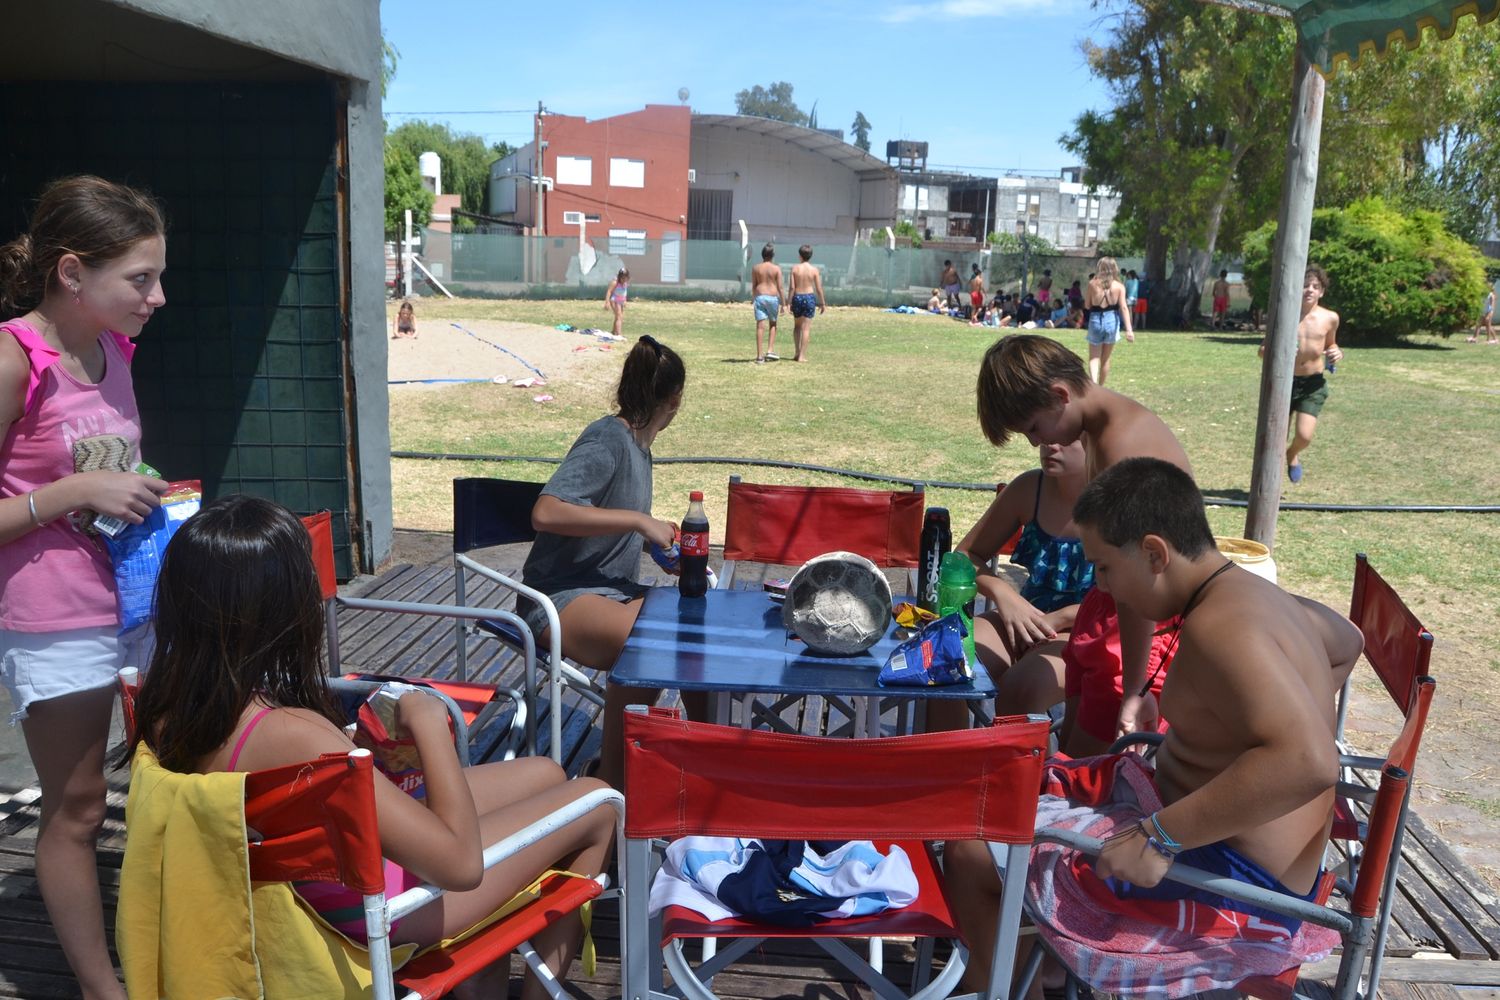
(894, 394)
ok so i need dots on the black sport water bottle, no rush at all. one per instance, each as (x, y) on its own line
(937, 538)
(693, 546)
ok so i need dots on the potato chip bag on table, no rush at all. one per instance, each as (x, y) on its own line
(933, 656)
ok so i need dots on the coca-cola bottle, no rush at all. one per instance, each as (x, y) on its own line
(693, 545)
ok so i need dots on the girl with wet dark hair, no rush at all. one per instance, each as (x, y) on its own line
(593, 517)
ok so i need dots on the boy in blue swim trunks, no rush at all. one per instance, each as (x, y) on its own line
(765, 280)
(807, 299)
(1247, 769)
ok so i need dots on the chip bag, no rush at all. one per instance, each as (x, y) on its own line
(137, 551)
(395, 752)
(931, 657)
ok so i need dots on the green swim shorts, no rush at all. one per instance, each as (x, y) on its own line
(1309, 393)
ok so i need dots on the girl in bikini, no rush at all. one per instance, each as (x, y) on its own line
(231, 691)
(615, 296)
(1021, 640)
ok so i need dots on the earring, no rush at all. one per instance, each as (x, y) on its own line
(77, 297)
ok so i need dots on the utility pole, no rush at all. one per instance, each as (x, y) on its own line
(540, 171)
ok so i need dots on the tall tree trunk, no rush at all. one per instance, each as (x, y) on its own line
(1180, 303)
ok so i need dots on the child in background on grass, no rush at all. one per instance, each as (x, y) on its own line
(406, 322)
(614, 298)
(232, 691)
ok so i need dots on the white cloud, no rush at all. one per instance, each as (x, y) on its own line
(944, 10)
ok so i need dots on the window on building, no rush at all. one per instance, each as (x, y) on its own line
(1093, 235)
(572, 218)
(625, 173)
(1036, 199)
(627, 242)
(1020, 227)
(575, 170)
(1031, 228)
(1083, 232)
(1020, 203)
(1094, 208)
(591, 218)
(1083, 208)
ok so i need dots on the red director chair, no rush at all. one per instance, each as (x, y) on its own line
(685, 779)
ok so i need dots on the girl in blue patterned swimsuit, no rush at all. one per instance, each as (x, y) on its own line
(1021, 640)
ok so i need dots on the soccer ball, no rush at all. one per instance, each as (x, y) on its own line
(838, 603)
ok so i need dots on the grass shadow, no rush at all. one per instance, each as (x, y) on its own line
(1210, 494)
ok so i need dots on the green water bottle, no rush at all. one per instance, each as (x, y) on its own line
(957, 588)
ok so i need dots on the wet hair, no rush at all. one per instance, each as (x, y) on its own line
(1146, 496)
(653, 374)
(239, 615)
(805, 252)
(768, 251)
(1314, 271)
(624, 275)
(94, 219)
(1016, 379)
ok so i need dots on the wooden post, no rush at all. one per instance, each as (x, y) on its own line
(1293, 231)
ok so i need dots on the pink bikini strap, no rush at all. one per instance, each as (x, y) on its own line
(239, 744)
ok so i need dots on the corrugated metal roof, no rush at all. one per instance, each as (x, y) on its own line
(862, 163)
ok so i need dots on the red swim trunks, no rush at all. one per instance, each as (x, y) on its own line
(1091, 660)
(976, 297)
(1221, 305)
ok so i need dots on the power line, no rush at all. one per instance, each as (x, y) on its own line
(507, 111)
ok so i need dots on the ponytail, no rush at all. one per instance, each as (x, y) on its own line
(652, 375)
(18, 291)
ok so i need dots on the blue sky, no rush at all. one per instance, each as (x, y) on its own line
(989, 84)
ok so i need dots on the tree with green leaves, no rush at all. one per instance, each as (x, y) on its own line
(861, 130)
(465, 161)
(774, 102)
(389, 56)
(1201, 99)
(403, 190)
(1391, 271)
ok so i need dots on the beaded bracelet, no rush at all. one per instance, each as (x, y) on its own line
(1163, 836)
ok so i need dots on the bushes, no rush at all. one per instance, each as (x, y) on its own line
(1390, 273)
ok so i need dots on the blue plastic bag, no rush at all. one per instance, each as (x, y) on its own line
(137, 551)
(933, 656)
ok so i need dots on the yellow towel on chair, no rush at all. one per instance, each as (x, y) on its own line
(190, 924)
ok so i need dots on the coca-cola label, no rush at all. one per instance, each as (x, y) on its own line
(694, 543)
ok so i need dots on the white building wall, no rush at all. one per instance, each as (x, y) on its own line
(782, 191)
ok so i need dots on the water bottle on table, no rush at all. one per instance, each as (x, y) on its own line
(957, 587)
(937, 539)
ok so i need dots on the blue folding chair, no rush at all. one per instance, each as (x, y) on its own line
(489, 512)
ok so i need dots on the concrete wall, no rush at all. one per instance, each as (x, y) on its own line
(782, 191)
(341, 38)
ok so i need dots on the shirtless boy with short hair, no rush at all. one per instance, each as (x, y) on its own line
(807, 297)
(1247, 770)
(769, 298)
(976, 289)
(1317, 333)
(1221, 300)
(1034, 386)
(950, 283)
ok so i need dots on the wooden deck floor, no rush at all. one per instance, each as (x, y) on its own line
(1444, 943)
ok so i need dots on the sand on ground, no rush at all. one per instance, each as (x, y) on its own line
(441, 351)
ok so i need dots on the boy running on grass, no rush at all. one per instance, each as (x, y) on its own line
(1245, 775)
(1316, 348)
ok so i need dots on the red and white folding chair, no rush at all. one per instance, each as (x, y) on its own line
(472, 705)
(686, 779)
(315, 821)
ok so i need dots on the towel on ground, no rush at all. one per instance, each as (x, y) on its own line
(1136, 947)
(791, 883)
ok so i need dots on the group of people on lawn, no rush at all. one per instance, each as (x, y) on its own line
(1113, 535)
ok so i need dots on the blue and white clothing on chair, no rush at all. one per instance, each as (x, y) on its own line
(793, 883)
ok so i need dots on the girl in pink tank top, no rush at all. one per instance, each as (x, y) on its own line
(74, 291)
(231, 691)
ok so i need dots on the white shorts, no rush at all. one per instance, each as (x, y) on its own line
(36, 666)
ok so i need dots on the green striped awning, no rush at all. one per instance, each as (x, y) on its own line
(1335, 31)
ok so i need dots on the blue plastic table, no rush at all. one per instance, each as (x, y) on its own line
(732, 641)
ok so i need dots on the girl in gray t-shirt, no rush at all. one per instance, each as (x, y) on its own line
(592, 519)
